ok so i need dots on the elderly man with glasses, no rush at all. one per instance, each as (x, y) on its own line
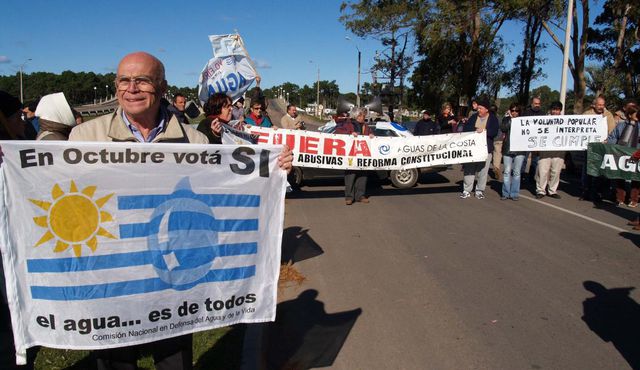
(141, 117)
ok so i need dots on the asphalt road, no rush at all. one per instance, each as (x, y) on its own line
(447, 283)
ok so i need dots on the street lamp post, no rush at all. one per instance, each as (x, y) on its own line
(318, 95)
(106, 92)
(318, 111)
(358, 81)
(95, 94)
(21, 90)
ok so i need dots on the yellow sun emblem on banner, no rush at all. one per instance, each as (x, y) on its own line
(73, 218)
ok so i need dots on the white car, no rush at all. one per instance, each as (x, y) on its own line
(402, 179)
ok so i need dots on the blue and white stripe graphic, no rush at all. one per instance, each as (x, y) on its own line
(182, 241)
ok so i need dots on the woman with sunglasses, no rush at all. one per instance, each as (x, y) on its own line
(256, 116)
(512, 161)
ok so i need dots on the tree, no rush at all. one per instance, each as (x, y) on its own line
(288, 89)
(459, 44)
(526, 68)
(605, 81)
(578, 50)
(615, 41)
(391, 22)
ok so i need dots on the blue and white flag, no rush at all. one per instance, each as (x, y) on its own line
(112, 244)
(230, 71)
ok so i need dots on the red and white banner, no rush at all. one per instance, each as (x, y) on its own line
(323, 150)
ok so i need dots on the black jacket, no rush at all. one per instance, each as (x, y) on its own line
(491, 130)
(427, 127)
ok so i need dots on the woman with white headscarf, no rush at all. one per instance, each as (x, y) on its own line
(56, 117)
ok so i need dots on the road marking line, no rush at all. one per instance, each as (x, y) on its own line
(575, 214)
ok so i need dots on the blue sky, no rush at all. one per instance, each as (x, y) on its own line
(289, 40)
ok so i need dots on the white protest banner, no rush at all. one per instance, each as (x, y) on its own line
(324, 150)
(113, 244)
(230, 73)
(551, 133)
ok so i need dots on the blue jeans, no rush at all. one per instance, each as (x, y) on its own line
(511, 183)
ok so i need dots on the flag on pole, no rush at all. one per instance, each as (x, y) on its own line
(230, 71)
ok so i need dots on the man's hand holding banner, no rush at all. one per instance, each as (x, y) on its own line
(109, 244)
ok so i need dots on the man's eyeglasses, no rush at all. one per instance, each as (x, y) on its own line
(143, 83)
(256, 108)
(515, 110)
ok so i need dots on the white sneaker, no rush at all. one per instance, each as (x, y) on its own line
(465, 195)
(479, 195)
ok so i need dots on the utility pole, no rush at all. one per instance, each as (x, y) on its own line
(318, 95)
(358, 81)
(21, 90)
(358, 86)
(565, 59)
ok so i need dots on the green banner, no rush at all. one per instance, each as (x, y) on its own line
(612, 161)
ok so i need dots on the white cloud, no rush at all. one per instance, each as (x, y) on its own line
(4, 59)
(262, 64)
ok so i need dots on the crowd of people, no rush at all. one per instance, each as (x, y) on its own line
(143, 116)
(544, 167)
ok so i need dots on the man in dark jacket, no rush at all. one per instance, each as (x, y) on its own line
(535, 109)
(486, 122)
(177, 108)
(426, 126)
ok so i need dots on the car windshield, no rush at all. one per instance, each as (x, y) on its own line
(384, 132)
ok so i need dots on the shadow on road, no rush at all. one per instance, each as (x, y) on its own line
(635, 238)
(226, 353)
(298, 246)
(615, 317)
(304, 336)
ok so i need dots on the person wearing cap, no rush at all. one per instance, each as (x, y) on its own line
(480, 122)
(426, 126)
(56, 117)
(291, 120)
(550, 164)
